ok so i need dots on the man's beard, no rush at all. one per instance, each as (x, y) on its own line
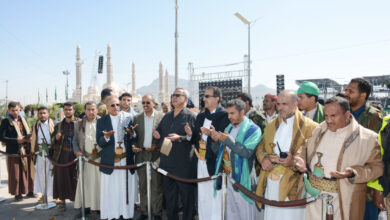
(44, 120)
(289, 115)
(353, 103)
(71, 116)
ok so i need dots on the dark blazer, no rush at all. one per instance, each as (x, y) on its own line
(181, 160)
(108, 148)
(220, 121)
(9, 136)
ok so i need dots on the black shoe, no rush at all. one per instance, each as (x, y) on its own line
(142, 217)
(157, 217)
(31, 195)
(19, 198)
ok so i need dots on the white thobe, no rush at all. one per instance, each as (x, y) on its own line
(38, 181)
(113, 187)
(91, 173)
(330, 146)
(268, 118)
(283, 137)
(148, 122)
(209, 207)
(236, 205)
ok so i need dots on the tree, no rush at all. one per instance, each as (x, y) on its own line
(78, 109)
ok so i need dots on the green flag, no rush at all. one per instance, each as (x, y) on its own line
(39, 97)
(55, 94)
(47, 97)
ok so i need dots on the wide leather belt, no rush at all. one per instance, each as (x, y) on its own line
(41, 149)
(93, 156)
(322, 184)
(120, 156)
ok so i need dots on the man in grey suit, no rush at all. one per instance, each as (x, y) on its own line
(84, 143)
(145, 149)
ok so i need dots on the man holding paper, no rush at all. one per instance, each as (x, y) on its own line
(213, 117)
(177, 156)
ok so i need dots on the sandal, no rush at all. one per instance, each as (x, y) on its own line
(40, 200)
(61, 207)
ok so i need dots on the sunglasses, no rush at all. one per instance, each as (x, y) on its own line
(113, 105)
(208, 96)
(176, 95)
(145, 103)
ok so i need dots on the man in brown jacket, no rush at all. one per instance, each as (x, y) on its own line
(282, 140)
(146, 150)
(357, 93)
(340, 158)
(84, 144)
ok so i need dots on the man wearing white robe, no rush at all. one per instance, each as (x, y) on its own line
(84, 143)
(110, 130)
(41, 131)
(282, 139)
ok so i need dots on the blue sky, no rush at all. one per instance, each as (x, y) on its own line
(301, 39)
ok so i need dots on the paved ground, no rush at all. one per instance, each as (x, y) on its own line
(25, 210)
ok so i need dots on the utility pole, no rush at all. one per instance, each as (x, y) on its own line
(249, 58)
(176, 47)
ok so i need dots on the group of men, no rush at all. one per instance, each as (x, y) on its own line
(295, 148)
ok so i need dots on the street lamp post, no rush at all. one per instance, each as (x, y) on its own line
(176, 46)
(245, 21)
(66, 73)
(6, 93)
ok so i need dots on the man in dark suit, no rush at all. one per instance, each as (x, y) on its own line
(180, 159)
(146, 150)
(114, 133)
(214, 116)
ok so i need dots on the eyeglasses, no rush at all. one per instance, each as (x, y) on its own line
(177, 95)
(208, 96)
(145, 103)
(113, 105)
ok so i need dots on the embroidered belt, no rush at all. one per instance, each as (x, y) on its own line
(202, 152)
(323, 184)
(93, 156)
(276, 172)
(120, 156)
(41, 149)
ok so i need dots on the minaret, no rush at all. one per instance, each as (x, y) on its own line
(160, 84)
(76, 96)
(78, 74)
(110, 76)
(133, 79)
(166, 86)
